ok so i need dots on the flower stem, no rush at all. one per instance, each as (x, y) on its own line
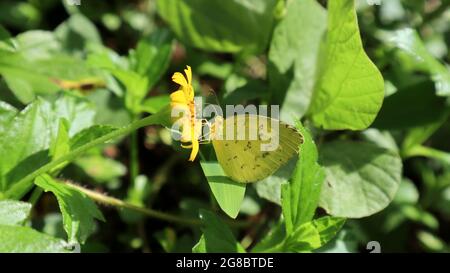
(101, 198)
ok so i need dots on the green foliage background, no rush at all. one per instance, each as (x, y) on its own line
(86, 157)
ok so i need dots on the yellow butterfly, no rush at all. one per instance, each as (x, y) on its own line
(242, 159)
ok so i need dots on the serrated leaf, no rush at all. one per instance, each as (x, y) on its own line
(228, 193)
(217, 237)
(220, 26)
(313, 235)
(77, 209)
(16, 239)
(60, 145)
(361, 178)
(152, 55)
(27, 136)
(350, 88)
(13, 212)
(76, 32)
(301, 195)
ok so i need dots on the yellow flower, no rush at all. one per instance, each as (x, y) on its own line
(183, 101)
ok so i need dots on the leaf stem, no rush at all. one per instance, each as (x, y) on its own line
(428, 152)
(107, 200)
(101, 198)
(134, 161)
(23, 186)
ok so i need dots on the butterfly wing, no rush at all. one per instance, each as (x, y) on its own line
(244, 160)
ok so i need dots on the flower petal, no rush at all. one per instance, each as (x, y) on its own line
(188, 72)
(178, 97)
(180, 79)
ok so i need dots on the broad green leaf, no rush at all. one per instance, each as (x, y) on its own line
(350, 89)
(28, 135)
(293, 56)
(154, 104)
(77, 209)
(301, 195)
(313, 235)
(220, 26)
(409, 42)
(228, 193)
(410, 108)
(6, 42)
(418, 135)
(383, 139)
(31, 241)
(152, 55)
(344, 242)
(217, 237)
(13, 212)
(361, 178)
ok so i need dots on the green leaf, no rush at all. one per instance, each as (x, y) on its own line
(350, 89)
(409, 42)
(220, 26)
(136, 87)
(37, 44)
(90, 134)
(28, 135)
(313, 235)
(13, 212)
(217, 237)
(22, 78)
(361, 178)
(31, 241)
(293, 56)
(301, 195)
(6, 42)
(270, 188)
(18, 189)
(77, 209)
(152, 56)
(228, 193)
